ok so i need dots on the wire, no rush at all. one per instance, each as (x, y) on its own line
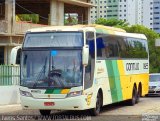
(30, 11)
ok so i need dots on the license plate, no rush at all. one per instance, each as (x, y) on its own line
(48, 103)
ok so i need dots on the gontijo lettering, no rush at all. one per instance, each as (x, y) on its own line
(132, 66)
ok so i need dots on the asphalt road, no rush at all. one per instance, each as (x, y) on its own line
(148, 109)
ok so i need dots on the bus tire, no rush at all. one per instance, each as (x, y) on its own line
(45, 112)
(96, 111)
(132, 101)
(138, 94)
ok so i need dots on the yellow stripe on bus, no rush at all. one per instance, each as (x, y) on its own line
(65, 91)
(123, 79)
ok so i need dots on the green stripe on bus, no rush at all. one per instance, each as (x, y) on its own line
(57, 91)
(117, 80)
(49, 91)
(114, 80)
(53, 91)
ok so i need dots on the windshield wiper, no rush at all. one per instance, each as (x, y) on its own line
(43, 70)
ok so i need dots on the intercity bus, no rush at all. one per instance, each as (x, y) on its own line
(82, 67)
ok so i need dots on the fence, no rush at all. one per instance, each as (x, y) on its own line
(9, 75)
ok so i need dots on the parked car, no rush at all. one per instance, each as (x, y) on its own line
(154, 84)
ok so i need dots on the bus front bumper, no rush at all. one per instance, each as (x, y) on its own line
(70, 103)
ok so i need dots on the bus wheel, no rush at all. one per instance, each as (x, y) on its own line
(95, 111)
(134, 97)
(138, 94)
(45, 112)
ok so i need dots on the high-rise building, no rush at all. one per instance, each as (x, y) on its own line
(151, 14)
(156, 15)
(130, 11)
(147, 14)
(112, 9)
(100, 11)
(127, 10)
(142, 12)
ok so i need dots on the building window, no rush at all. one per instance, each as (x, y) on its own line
(156, 7)
(156, 17)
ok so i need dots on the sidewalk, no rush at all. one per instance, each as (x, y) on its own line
(10, 108)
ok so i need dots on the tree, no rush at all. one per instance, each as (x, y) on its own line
(111, 22)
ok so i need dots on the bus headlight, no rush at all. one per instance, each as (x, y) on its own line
(25, 93)
(73, 94)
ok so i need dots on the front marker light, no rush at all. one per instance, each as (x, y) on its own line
(73, 94)
(25, 93)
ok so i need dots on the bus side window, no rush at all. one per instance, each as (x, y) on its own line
(89, 69)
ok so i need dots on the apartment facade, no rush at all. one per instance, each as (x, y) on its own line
(151, 14)
(51, 12)
(130, 11)
(99, 10)
(127, 10)
(112, 9)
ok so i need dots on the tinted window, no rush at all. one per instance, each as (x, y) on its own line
(109, 46)
(136, 48)
(55, 39)
(154, 78)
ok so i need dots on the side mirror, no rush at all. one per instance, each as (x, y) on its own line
(85, 55)
(15, 55)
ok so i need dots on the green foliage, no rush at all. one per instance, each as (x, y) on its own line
(71, 21)
(151, 35)
(33, 18)
(111, 22)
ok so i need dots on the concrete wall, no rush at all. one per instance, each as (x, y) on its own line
(9, 95)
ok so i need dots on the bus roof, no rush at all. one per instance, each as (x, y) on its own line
(93, 27)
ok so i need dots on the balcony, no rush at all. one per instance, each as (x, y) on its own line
(22, 27)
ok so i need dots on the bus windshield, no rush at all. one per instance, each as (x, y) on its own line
(53, 68)
(154, 78)
(54, 39)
